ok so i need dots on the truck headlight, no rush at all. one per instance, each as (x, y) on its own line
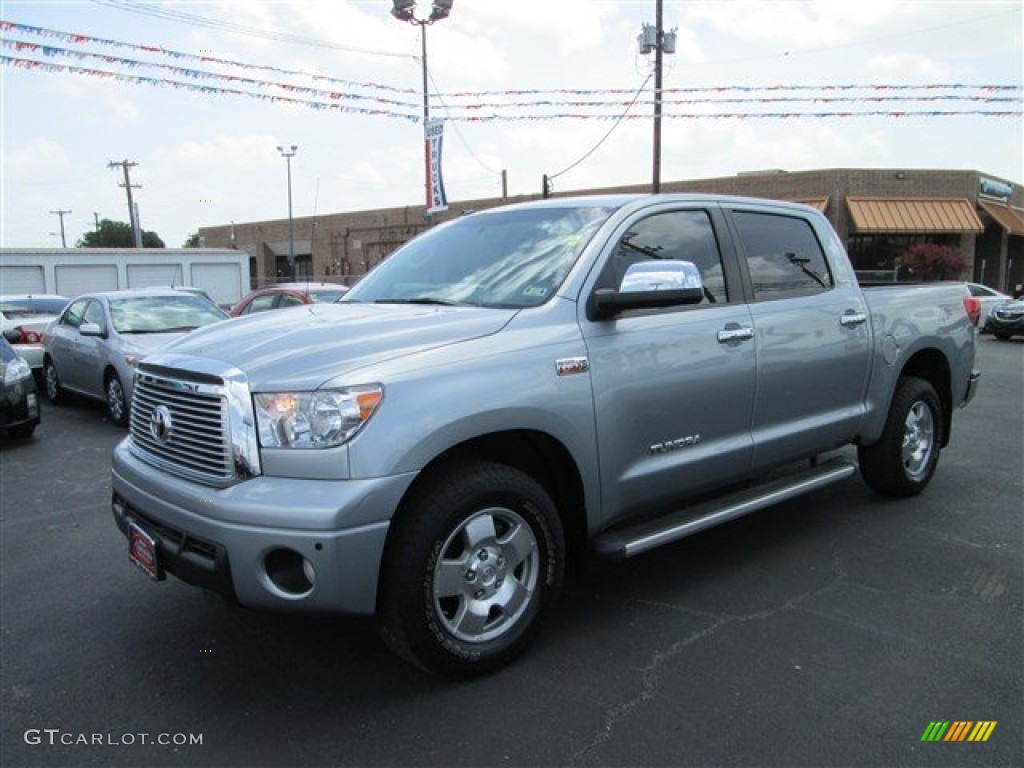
(321, 419)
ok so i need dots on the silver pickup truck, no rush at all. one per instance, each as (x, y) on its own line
(614, 371)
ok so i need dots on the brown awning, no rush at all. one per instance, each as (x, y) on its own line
(913, 216)
(821, 203)
(1010, 219)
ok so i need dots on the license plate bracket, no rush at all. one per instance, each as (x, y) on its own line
(143, 550)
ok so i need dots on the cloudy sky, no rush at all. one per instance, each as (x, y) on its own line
(530, 87)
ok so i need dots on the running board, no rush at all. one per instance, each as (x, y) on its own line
(626, 542)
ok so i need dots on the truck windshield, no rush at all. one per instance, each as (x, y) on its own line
(507, 258)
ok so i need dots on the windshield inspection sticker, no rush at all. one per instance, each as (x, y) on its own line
(535, 291)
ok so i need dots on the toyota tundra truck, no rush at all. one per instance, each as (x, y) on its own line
(616, 372)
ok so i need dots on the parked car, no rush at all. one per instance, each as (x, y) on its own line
(988, 299)
(19, 403)
(28, 315)
(93, 347)
(288, 295)
(1006, 319)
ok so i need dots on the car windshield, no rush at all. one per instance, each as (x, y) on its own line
(513, 258)
(26, 307)
(163, 314)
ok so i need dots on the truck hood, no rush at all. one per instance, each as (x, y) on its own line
(301, 348)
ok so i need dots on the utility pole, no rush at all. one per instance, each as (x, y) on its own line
(60, 213)
(136, 232)
(96, 219)
(656, 177)
(655, 38)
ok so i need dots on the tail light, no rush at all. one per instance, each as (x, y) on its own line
(973, 306)
(26, 336)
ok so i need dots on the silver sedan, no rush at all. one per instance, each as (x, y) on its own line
(92, 348)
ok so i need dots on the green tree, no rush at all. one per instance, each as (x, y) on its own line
(192, 242)
(117, 234)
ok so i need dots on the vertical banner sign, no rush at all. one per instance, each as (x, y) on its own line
(434, 137)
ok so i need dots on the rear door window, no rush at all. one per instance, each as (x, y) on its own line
(783, 255)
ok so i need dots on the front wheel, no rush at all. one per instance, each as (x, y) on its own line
(472, 569)
(117, 402)
(903, 461)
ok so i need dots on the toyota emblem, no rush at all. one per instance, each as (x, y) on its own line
(160, 424)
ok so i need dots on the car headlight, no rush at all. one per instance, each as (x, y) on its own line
(132, 359)
(17, 370)
(321, 419)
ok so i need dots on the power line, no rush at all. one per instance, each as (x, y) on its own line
(603, 138)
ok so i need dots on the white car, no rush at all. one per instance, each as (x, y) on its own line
(23, 319)
(989, 298)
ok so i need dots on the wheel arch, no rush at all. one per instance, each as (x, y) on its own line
(932, 366)
(533, 452)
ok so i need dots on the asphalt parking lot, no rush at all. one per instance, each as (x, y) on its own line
(830, 630)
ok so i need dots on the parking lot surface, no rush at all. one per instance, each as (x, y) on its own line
(830, 630)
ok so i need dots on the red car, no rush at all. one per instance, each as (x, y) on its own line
(288, 295)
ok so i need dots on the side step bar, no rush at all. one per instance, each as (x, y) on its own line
(626, 542)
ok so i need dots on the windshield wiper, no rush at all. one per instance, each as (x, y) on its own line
(178, 329)
(422, 300)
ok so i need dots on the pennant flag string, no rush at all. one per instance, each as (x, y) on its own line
(75, 38)
(70, 37)
(194, 73)
(50, 67)
(206, 89)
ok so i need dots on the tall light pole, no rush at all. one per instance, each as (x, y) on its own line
(288, 154)
(404, 10)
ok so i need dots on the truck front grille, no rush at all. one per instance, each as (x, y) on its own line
(182, 427)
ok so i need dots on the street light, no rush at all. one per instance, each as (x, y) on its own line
(404, 11)
(288, 154)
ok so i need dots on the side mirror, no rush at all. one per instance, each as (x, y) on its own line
(92, 329)
(650, 285)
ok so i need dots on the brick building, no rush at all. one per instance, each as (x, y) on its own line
(878, 213)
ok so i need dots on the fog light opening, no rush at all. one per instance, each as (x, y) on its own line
(289, 571)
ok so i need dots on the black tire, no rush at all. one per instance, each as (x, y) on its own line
(472, 569)
(117, 402)
(54, 391)
(23, 430)
(1001, 336)
(903, 461)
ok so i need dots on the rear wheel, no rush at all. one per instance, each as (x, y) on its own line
(117, 403)
(474, 566)
(54, 391)
(1001, 336)
(903, 461)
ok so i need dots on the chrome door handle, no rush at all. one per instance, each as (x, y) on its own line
(852, 319)
(737, 333)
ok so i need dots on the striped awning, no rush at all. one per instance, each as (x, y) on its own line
(912, 216)
(1010, 219)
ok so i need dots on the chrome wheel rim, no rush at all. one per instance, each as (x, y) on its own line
(115, 398)
(486, 576)
(918, 440)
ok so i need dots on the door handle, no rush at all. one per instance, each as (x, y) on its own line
(734, 332)
(852, 319)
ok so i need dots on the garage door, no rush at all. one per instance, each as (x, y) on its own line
(152, 275)
(74, 280)
(22, 280)
(220, 281)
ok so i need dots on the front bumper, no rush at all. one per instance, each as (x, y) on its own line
(272, 543)
(19, 404)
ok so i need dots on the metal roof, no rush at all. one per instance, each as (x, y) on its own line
(913, 215)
